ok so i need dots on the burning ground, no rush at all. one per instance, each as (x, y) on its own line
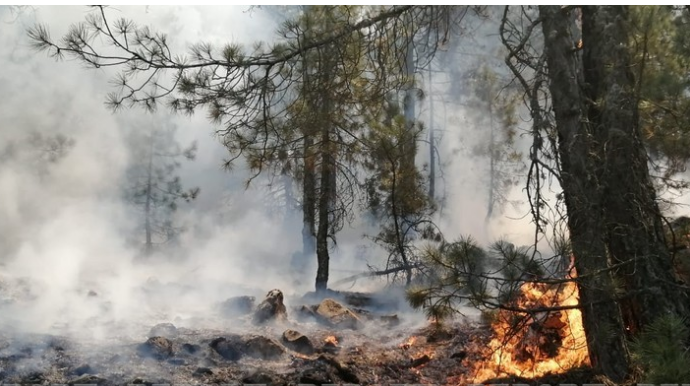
(340, 338)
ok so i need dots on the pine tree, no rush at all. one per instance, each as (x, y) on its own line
(152, 185)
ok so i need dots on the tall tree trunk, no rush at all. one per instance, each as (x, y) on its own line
(409, 104)
(581, 173)
(308, 203)
(326, 194)
(492, 156)
(397, 197)
(407, 165)
(633, 220)
(432, 146)
(309, 172)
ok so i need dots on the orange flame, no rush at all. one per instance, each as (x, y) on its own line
(331, 339)
(409, 343)
(535, 345)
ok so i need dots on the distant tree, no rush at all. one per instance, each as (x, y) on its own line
(152, 185)
(396, 192)
(37, 151)
(495, 104)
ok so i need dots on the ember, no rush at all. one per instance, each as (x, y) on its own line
(409, 343)
(331, 340)
(535, 345)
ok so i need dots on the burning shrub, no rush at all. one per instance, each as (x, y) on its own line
(537, 328)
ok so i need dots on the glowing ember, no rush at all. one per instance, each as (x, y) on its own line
(535, 345)
(409, 343)
(332, 340)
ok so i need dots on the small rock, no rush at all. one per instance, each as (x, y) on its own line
(271, 308)
(263, 348)
(229, 349)
(237, 306)
(83, 370)
(166, 330)
(190, 349)
(92, 294)
(295, 341)
(337, 315)
(156, 347)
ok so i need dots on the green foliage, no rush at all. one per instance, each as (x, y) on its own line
(661, 51)
(395, 189)
(662, 351)
(454, 274)
(462, 272)
(515, 264)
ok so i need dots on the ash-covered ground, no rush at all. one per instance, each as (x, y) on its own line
(337, 337)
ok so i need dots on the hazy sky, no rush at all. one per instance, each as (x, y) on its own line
(69, 225)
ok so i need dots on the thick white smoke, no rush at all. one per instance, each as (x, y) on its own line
(64, 227)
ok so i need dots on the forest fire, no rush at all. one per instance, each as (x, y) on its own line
(536, 344)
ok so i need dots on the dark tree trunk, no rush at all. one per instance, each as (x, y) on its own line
(409, 104)
(300, 262)
(633, 220)
(432, 148)
(581, 173)
(308, 204)
(326, 194)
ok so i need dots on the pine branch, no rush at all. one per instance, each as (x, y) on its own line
(378, 273)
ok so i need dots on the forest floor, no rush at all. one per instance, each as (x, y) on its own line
(323, 342)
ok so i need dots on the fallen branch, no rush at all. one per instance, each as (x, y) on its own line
(424, 359)
(376, 273)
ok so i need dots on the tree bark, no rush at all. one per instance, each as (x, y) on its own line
(581, 173)
(325, 200)
(309, 172)
(432, 147)
(633, 220)
(308, 203)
